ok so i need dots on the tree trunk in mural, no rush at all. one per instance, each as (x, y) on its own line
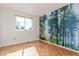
(61, 27)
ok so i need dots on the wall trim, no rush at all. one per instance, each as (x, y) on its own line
(17, 43)
(60, 46)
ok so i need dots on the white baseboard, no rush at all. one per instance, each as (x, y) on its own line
(60, 46)
(14, 43)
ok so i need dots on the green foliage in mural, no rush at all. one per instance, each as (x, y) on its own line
(61, 27)
(42, 27)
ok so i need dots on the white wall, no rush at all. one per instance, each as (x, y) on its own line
(0, 26)
(9, 35)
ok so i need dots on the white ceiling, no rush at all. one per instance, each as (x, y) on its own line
(33, 8)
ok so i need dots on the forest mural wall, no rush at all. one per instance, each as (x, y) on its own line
(61, 27)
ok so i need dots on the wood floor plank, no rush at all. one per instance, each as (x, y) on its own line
(35, 48)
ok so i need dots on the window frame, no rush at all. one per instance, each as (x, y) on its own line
(24, 23)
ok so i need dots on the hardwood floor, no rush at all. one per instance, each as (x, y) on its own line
(35, 48)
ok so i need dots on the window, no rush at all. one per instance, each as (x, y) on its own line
(23, 23)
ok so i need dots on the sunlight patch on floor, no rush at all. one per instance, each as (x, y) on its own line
(25, 52)
(30, 52)
(16, 53)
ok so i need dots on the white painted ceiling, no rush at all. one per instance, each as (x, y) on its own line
(33, 8)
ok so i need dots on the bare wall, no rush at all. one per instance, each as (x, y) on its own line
(9, 35)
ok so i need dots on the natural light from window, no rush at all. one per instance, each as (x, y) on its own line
(31, 51)
(23, 23)
(28, 23)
